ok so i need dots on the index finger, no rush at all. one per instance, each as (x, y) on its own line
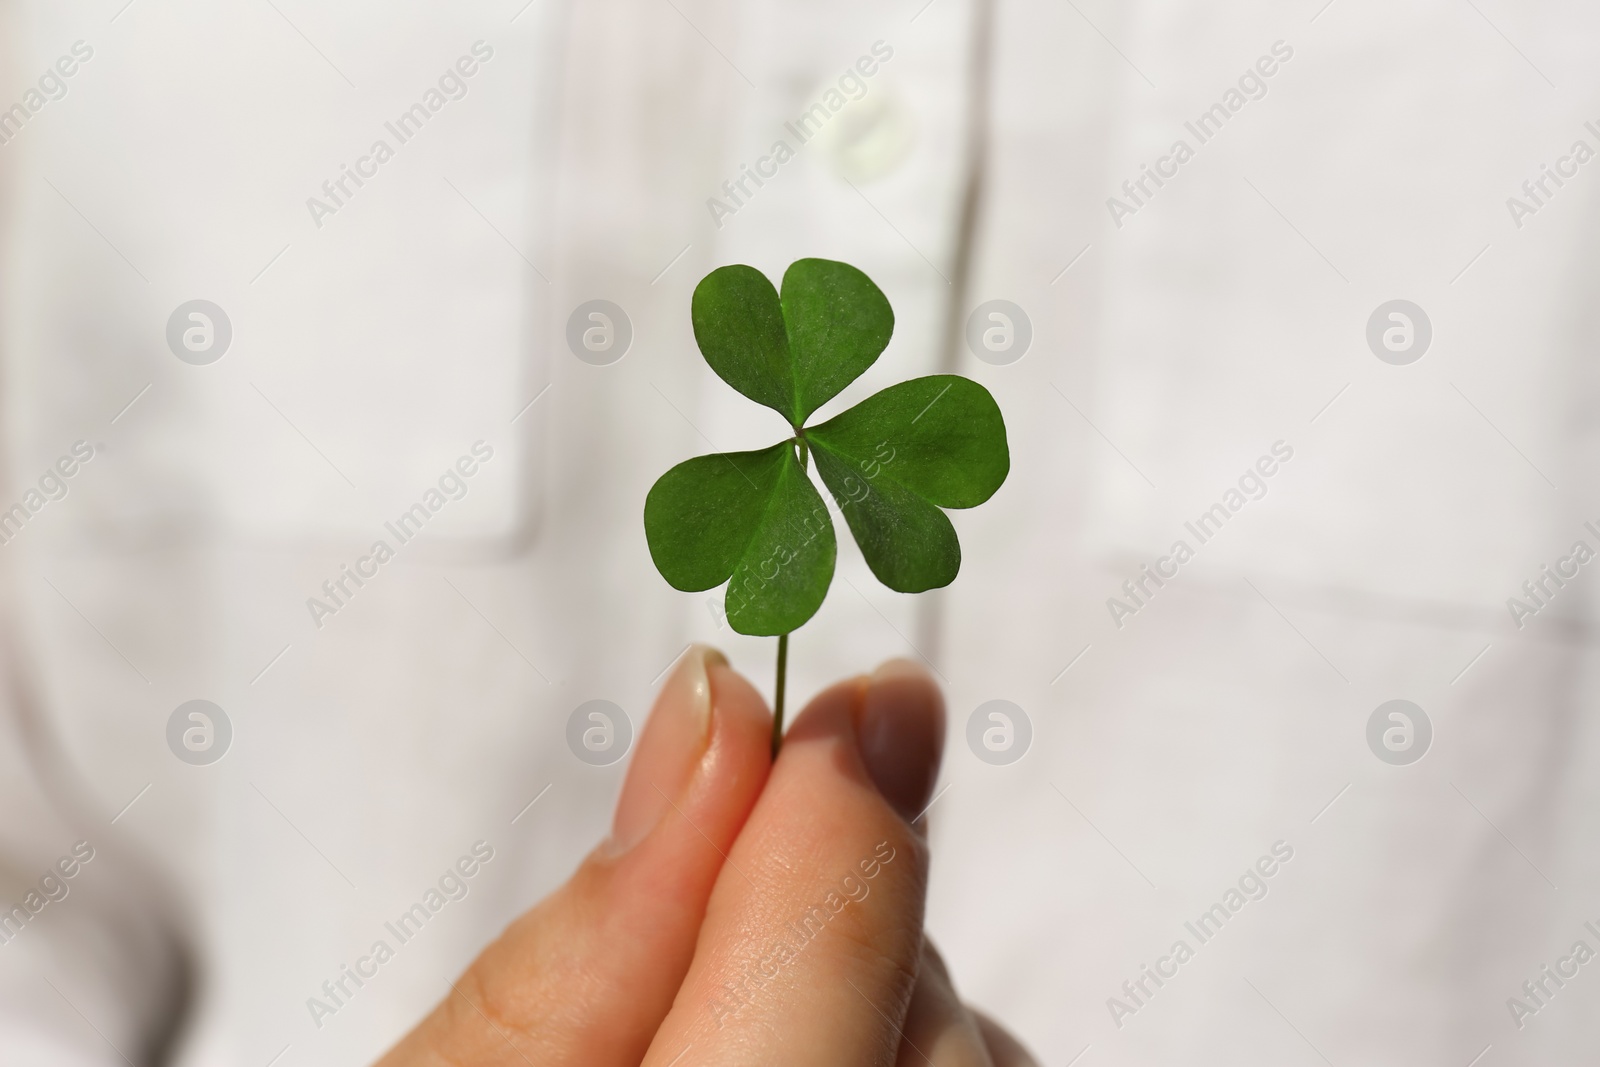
(817, 915)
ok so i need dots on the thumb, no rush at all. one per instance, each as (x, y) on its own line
(587, 975)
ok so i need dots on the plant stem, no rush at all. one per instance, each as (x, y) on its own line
(783, 639)
(777, 704)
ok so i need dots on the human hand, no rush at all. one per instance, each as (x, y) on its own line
(742, 912)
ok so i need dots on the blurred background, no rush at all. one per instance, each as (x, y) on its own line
(1306, 287)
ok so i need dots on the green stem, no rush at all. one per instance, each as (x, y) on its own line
(777, 704)
(783, 639)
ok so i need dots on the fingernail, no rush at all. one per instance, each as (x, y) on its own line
(902, 734)
(669, 750)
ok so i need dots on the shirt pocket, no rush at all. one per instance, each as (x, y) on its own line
(283, 278)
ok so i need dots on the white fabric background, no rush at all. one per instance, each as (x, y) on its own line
(423, 317)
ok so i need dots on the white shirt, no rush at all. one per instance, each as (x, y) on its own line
(381, 329)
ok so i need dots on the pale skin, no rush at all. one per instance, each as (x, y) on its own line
(742, 911)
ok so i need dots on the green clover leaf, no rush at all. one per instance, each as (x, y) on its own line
(892, 463)
(754, 518)
(793, 352)
(896, 458)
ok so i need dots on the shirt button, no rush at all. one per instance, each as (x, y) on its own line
(869, 137)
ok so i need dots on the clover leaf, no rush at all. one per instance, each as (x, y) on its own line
(892, 463)
(793, 352)
(754, 518)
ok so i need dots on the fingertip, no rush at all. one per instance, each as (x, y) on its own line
(740, 748)
(706, 736)
(736, 699)
(892, 725)
(671, 744)
(902, 727)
